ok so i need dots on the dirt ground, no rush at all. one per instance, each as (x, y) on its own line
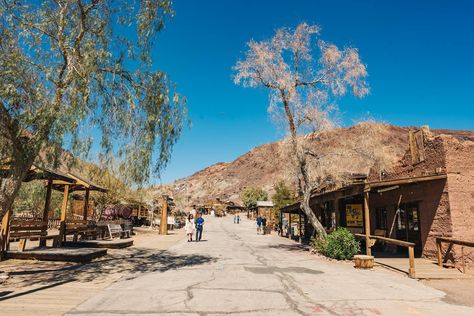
(460, 292)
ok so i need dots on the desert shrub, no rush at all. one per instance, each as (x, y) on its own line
(340, 244)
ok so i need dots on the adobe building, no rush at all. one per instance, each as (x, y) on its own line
(428, 194)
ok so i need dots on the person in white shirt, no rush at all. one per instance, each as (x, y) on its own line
(189, 227)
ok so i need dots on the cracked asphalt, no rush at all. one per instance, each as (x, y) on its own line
(250, 274)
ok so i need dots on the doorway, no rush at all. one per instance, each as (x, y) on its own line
(408, 225)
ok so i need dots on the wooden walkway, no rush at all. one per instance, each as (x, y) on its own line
(424, 268)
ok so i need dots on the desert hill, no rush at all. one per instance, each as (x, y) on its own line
(265, 165)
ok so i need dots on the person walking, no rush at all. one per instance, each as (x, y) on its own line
(235, 219)
(259, 224)
(264, 225)
(199, 225)
(238, 219)
(189, 227)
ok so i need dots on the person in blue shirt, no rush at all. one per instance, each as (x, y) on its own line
(199, 224)
(259, 224)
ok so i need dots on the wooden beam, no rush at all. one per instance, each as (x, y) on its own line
(456, 241)
(299, 228)
(4, 234)
(164, 216)
(47, 204)
(439, 248)
(289, 226)
(406, 181)
(62, 230)
(411, 258)
(86, 204)
(368, 242)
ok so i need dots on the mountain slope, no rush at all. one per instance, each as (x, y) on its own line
(264, 165)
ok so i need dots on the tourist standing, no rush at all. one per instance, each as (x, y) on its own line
(259, 224)
(238, 219)
(235, 219)
(189, 227)
(264, 225)
(199, 225)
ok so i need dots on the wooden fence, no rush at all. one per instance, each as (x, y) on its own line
(409, 245)
(451, 242)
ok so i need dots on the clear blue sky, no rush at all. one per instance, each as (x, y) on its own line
(419, 56)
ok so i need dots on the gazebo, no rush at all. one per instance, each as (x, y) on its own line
(35, 173)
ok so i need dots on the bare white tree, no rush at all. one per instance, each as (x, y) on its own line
(303, 89)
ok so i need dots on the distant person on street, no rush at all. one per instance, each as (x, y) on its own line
(264, 225)
(199, 225)
(238, 219)
(235, 219)
(259, 224)
(189, 227)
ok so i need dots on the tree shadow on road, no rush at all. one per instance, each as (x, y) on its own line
(291, 247)
(129, 262)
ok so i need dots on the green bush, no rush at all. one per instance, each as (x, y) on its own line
(340, 244)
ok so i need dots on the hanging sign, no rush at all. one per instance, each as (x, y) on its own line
(354, 215)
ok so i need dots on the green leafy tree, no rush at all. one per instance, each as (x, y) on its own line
(251, 195)
(69, 66)
(31, 198)
(283, 196)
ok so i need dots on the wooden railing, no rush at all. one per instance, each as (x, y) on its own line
(451, 242)
(402, 243)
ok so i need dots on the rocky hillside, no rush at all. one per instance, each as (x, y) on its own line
(265, 165)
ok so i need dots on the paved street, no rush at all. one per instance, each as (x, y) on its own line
(235, 271)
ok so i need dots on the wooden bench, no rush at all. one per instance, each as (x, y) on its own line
(117, 230)
(24, 230)
(83, 228)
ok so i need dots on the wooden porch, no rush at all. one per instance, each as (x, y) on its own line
(425, 269)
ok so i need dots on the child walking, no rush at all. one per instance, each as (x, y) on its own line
(189, 227)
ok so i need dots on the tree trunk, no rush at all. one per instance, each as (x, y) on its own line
(320, 231)
(10, 185)
(304, 186)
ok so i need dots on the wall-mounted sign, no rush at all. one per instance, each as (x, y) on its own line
(354, 215)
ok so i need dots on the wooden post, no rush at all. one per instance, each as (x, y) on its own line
(164, 216)
(299, 228)
(86, 205)
(440, 253)
(368, 242)
(289, 225)
(281, 223)
(4, 234)
(62, 227)
(411, 257)
(47, 204)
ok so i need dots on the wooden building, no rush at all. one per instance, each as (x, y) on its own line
(262, 209)
(428, 194)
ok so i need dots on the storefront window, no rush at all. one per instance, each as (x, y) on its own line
(381, 218)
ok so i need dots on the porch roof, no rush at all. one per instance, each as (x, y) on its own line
(366, 186)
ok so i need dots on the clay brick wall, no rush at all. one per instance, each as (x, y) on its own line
(460, 169)
(433, 204)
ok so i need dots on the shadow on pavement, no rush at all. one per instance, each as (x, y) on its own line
(129, 262)
(294, 247)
